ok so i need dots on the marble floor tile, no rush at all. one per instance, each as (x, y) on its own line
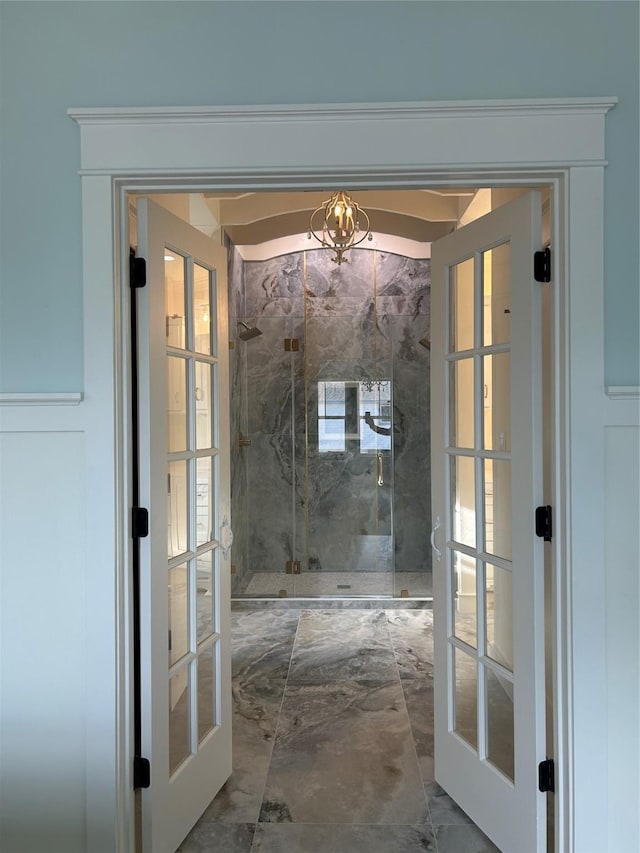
(418, 695)
(262, 644)
(335, 646)
(217, 837)
(344, 754)
(412, 637)
(463, 839)
(323, 838)
(443, 809)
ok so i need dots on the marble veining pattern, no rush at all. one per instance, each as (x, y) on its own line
(359, 321)
(333, 735)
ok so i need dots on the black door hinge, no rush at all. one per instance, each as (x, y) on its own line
(546, 776)
(544, 523)
(137, 270)
(141, 772)
(542, 265)
(139, 522)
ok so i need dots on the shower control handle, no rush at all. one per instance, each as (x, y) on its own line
(436, 550)
(380, 470)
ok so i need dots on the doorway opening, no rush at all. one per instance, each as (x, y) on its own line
(356, 390)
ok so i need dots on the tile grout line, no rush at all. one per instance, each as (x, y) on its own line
(413, 740)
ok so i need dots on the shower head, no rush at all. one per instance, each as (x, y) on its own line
(425, 342)
(248, 332)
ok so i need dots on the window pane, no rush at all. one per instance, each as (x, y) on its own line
(461, 306)
(205, 596)
(496, 273)
(205, 494)
(464, 600)
(177, 508)
(204, 436)
(497, 401)
(500, 722)
(206, 691)
(178, 612)
(174, 295)
(497, 507)
(461, 401)
(179, 718)
(499, 610)
(463, 498)
(201, 310)
(176, 403)
(466, 697)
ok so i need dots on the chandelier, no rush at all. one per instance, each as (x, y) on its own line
(340, 227)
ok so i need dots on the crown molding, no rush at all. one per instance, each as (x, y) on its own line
(332, 112)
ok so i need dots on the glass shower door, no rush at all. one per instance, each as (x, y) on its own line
(348, 534)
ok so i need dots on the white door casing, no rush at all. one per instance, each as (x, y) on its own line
(184, 562)
(552, 142)
(486, 470)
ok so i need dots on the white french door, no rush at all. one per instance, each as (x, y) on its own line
(184, 564)
(488, 564)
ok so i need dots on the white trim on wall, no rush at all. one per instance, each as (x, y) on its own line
(27, 399)
(623, 392)
(557, 143)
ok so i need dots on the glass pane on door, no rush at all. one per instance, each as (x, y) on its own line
(192, 475)
(479, 487)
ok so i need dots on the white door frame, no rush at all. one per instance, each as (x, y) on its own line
(553, 142)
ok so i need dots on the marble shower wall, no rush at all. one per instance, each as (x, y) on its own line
(358, 321)
(237, 378)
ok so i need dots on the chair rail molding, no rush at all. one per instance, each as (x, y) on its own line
(73, 398)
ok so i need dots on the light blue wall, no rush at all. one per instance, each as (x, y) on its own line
(55, 55)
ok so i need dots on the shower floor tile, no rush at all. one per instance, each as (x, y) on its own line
(347, 584)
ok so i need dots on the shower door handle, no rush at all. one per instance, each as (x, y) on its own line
(436, 550)
(380, 470)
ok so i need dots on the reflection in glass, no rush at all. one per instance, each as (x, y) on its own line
(464, 585)
(497, 507)
(497, 401)
(496, 273)
(461, 306)
(354, 411)
(206, 691)
(179, 718)
(177, 508)
(201, 310)
(204, 437)
(178, 612)
(176, 403)
(466, 697)
(205, 596)
(463, 500)
(499, 610)
(500, 734)
(332, 416)
(461, 397)
(174, 298)
(205, 494)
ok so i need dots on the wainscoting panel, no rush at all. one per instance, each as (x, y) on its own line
(43, 562)
(622, 542)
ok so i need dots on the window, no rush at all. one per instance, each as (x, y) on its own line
(354, 411)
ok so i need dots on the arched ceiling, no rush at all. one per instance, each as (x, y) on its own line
(419, 215)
